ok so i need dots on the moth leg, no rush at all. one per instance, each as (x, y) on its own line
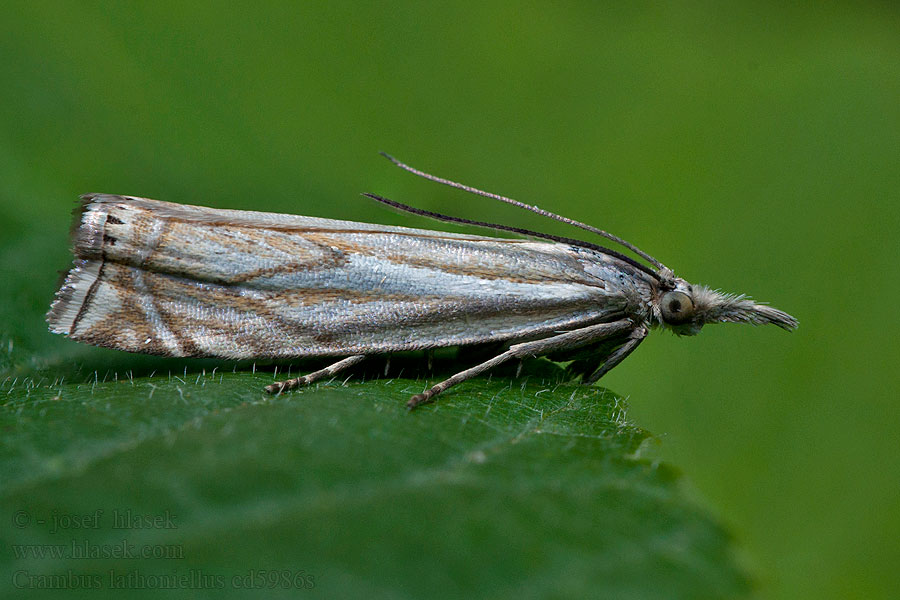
(621, 353)
(334, 369)
(567, 340)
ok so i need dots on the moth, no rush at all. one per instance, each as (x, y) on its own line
(188, 281)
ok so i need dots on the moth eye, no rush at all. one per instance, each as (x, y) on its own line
(677, 307)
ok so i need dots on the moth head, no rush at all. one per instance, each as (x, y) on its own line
(686, 308)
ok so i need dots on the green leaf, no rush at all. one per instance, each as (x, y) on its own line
(506, 487)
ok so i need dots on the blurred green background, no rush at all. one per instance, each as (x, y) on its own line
(753, 147)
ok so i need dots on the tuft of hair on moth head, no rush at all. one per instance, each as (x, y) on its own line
(686, 308)
(714, 306)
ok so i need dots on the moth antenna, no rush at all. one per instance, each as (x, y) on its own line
(536, 234)
(534, 209)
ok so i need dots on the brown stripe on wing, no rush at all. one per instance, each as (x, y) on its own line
(228, 322)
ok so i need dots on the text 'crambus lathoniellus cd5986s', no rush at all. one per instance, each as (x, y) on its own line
(178, 280)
